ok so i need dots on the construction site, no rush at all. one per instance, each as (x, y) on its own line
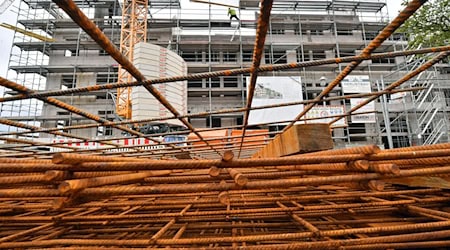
(283, 124)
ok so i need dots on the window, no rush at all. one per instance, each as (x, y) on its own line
(275, 57)
(70, 53)
(297, 32)
(383, 60)
(62, 124)
(316, 32)
(230, 82)
(105, 112)
(345, 32)
(247, 55)
(215, 56)
(318, 55)
(229, 56)
(344, 52)
(216, 122)
(102, 53)
(194, 83)
(104, 131)
(446, 95)
(278, 31)
(68, 81)
(398, 37)
(215, 83)
(191, 56)
(106, 78)
(370, 35)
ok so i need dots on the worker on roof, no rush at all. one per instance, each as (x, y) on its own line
(232, 13)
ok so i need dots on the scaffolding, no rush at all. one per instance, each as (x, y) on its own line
(298, 31)
(209, 190)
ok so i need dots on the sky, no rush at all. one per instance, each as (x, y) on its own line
(6, 36)
(10, 17)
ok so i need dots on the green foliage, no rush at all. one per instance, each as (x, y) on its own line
(430, 25)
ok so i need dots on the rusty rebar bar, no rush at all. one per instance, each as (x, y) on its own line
(275, 67)
(408, 11)
(399, 82)
(101, 39)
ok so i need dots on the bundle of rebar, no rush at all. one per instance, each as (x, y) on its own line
(342, 198)
(354, 198)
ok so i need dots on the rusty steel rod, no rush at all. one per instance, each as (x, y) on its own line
(399, 82)
(70, 186)
(57, 103)
(265, 68)
(357, 197)
(101, 39)
(201, 114)
(188, 188)
(71, 158)
(261, 32)
(267, 237)
(205, 164)
(408, 11)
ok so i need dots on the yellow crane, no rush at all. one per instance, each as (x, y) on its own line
(133, 31)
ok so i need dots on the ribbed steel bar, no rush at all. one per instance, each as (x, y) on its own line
(25, 232)
(430, 161)
(301, 221)
(101, 39)
(422, 147)
(367, 243)
(297, 171)
(39, 228)
(238, 163)
(201, 114)
(22, 89)
(408, 11)
(402, 80)
(265, 68)
(296, 197)
(440, 244)
(429, 211)
(71, 158)
(189, 188)
(261, 32)
(71, 186)
(266, 237)
(32, 143)
(151, 152)
(33, 128)
(46, 177)
(197, 214)
(367, 150)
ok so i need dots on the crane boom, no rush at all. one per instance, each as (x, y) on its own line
(26, 32)
(133, 31)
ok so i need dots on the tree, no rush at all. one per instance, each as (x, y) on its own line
(430, 25)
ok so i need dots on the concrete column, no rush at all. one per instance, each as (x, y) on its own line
(329, 54)
(309, 55)
(86, 79)
(53, 81)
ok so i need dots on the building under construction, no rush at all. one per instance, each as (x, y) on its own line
(165, 124)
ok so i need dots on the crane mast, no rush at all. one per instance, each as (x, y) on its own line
(133, 31)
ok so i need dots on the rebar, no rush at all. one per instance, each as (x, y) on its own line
(339, 198)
